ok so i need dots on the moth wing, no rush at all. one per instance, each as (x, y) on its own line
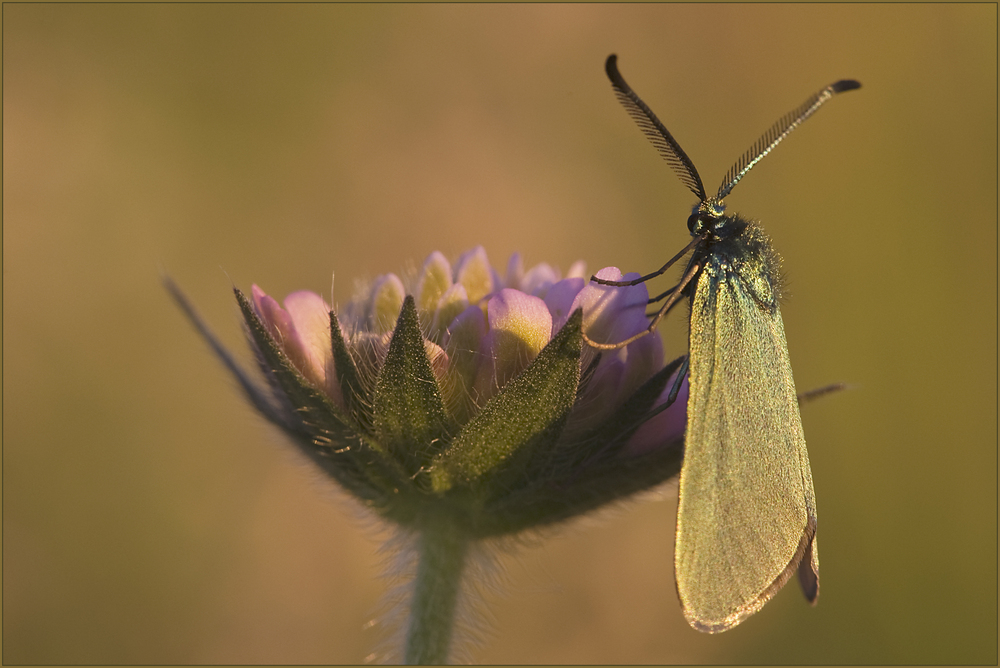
(746, 515)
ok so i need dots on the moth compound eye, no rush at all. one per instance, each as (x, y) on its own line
(700, 223)
(694, 224)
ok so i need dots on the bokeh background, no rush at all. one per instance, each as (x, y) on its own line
(150, 517)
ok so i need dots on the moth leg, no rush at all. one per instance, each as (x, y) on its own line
(821, 391)
(682, 364)
(658, 272)
(665, 293)
(674, 297)
(657, 298)
(672, 397)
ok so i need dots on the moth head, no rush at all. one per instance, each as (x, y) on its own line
(706, 216)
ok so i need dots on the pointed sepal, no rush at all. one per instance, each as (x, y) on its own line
(356, 399)
(409, 414)
(588, 471)
(324, 431)
(527, 416)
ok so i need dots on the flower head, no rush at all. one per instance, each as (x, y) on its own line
(470, 395)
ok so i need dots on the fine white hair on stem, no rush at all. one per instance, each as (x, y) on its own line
(482, 579)
(398, 563)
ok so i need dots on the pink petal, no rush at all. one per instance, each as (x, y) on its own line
(522, 315)
(452, 303)
(438, 359)
(665, 429)
(577, 270)
(386, 301)
(275, 318)
(520, 326)
(643, 358)
(468, 329)
(303, 332)
(515, 271)
(463, 341)
(603, 394)
(539, 279)
(612, 314)
(310, 345)
(435, 279)
(560, 298)
(473, 270)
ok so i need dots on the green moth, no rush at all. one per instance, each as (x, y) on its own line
(746, 517)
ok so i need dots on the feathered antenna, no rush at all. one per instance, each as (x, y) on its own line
(779, 131)
(654, 130)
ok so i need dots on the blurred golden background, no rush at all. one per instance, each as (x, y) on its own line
(150, 517)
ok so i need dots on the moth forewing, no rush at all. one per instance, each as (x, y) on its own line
(746, 515)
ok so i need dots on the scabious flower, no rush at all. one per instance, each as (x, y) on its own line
(471, 395)
(463, 405)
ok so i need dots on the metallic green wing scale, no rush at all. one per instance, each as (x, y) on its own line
(746, 518)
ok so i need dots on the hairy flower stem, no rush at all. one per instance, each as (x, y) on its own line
(435, 593)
